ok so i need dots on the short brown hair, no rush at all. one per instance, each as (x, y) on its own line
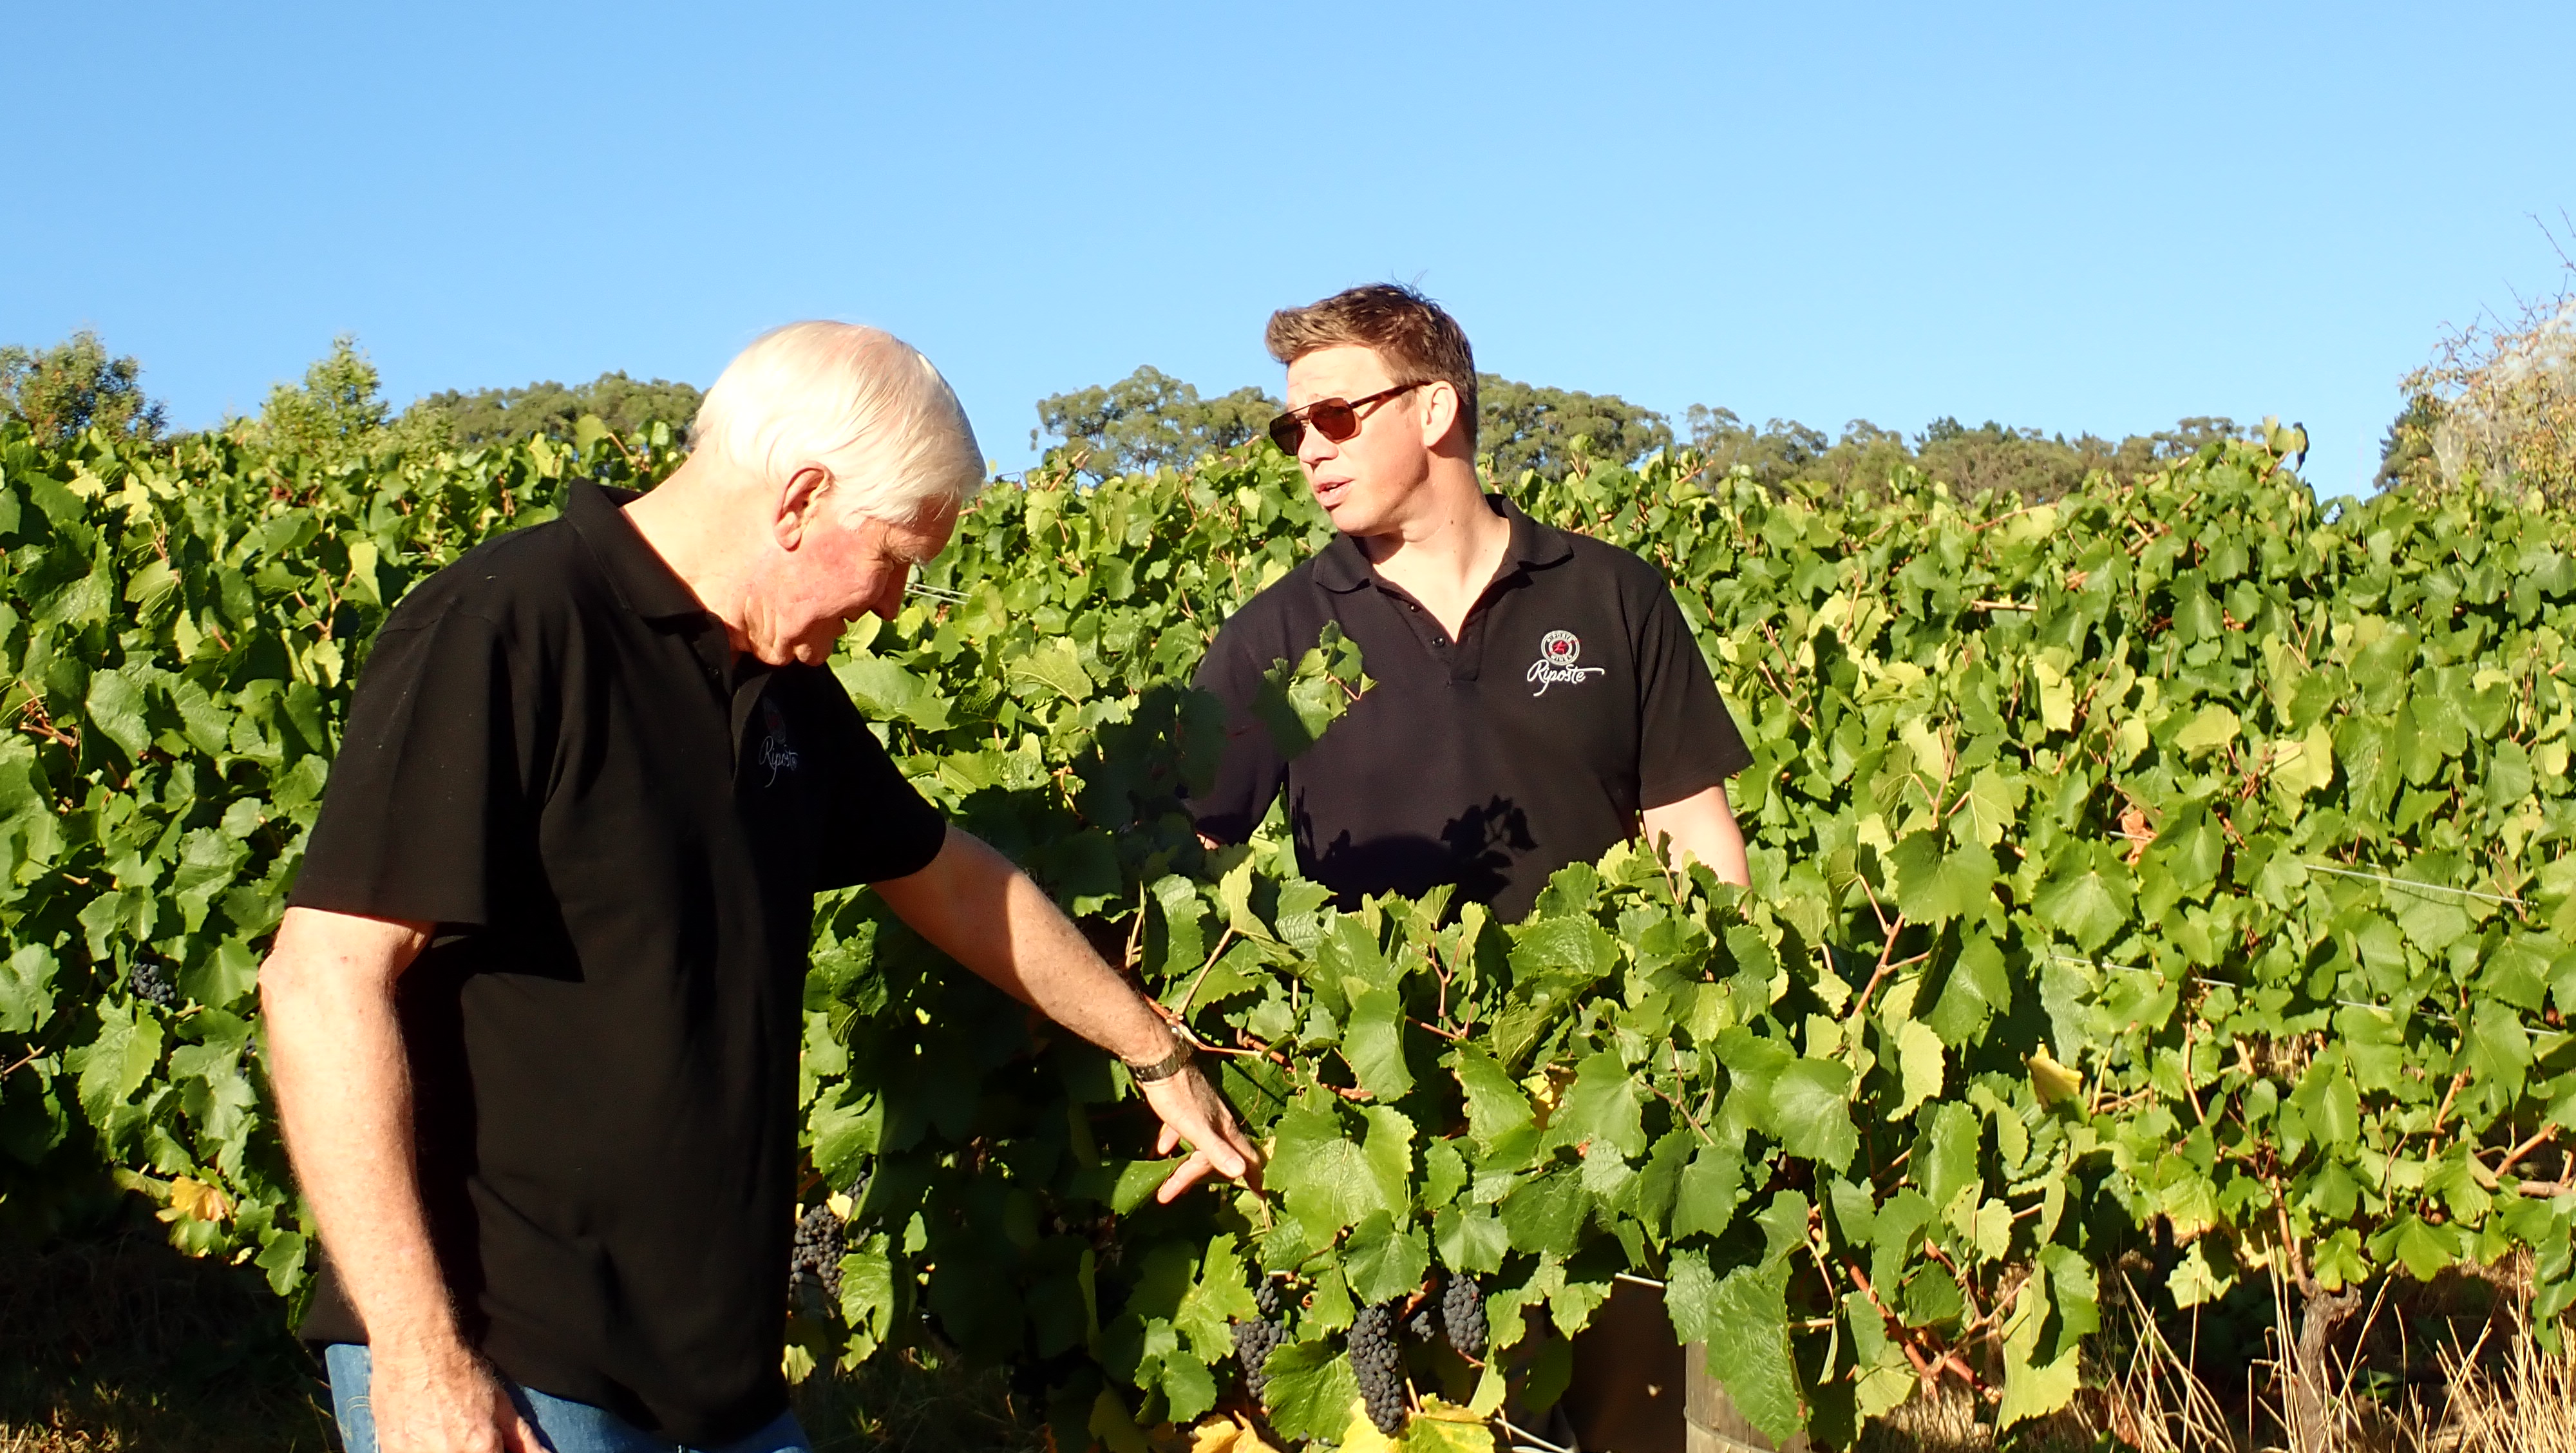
(1415, 337)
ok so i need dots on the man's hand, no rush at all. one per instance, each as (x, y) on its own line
(1195, 1114)
(442, 1399)
(987, 915)
(335, 1055)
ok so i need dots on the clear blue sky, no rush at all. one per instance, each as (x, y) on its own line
(2078, 217)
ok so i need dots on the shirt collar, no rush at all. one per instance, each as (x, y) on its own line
(1344, 567)
(643, 583)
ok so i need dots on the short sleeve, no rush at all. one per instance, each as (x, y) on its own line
(426, 802)
(1688, 741)
(871, 824)
(1249, 770)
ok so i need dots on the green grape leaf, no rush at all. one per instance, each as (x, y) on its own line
(1753, 1358)
(1933, 886)
(2214, 727)
(1711, 1187)
(1328, 1181)
(1496, 1107)
(1311, 1389)
(1690, 1297)
(1055, 664)
(1382, 1262)
(1373, 1042)
(1605, 1106)
(2087, 897)
(1809, 1105)
(1919, 1053)
(26, 989)
(2034, 1385)
(1977, 989)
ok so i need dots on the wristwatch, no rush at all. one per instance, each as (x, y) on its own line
(1164, 1068)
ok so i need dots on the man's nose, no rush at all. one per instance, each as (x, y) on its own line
(1314, 449)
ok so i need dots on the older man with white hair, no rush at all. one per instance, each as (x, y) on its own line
(533, 1013)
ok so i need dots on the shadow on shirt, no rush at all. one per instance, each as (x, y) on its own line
(1475, 851)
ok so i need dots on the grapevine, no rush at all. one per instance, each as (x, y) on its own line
(2174, 859)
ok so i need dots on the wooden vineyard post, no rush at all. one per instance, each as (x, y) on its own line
(1714, 1426)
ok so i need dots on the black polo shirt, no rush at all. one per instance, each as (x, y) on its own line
(619, 829)
(1573, 698)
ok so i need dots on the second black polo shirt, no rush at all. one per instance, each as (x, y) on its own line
(1573, 698)
(619, 829)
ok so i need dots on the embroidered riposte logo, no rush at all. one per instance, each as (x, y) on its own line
(776, 753)
(1557, 653)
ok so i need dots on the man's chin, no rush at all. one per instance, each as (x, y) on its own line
(1351, 518)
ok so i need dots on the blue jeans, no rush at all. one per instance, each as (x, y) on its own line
(563, 1425)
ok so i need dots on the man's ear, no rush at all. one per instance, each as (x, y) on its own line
(798, 504)
(1439, 413)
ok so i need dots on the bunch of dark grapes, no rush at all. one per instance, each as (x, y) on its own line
(151, 981)
(1462, 1311)
(1255, 1341)
(1380, 1366)
(1253, 1344)
(820, 1243)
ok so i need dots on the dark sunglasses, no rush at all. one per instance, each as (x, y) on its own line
(1335, 419)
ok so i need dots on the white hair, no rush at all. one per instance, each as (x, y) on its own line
(858, 402)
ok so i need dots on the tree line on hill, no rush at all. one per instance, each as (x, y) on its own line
(2498, 402)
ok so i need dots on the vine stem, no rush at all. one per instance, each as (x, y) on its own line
(1887, 964)
(2458, 1082)
(1681, 1109)
(2541, 1137)
(1201, 977)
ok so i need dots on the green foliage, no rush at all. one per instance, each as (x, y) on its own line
(57, 392)
(2167, 856)
(1526, 427)
(336, 413)
(1973, 461)
(508, 415)
(1146, 421)
(181, 625)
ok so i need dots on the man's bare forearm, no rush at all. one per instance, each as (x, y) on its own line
(1028, 948)
(1702, 826)
(335, 1054)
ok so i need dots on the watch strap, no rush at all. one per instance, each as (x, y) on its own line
(1164, 1068)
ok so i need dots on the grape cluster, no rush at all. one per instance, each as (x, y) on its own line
(1462, 1311)
(151, 981)
(820, 1243)
(1255, 1341)
(1379, 1366)
(1253, 1344)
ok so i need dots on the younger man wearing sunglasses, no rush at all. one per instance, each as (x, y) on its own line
(1538, 695)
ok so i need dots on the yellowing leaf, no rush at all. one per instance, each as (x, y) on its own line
(1919, 1058)
(2053, 1081)
(1229, 1434)
(2213, 728)
(194, 1200)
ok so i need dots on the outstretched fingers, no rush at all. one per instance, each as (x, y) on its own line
(1194, 1115)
